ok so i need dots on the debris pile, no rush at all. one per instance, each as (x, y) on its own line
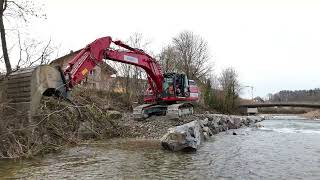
(58, 123)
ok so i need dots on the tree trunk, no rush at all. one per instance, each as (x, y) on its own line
(3, 39)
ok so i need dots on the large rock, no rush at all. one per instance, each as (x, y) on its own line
(234, 122)
(185, 137)
(255, 119)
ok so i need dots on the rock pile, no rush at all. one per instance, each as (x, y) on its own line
(220, 122)
(189, 136)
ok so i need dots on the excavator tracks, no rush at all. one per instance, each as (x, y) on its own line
(179, 110)
(139, 111)
(173, 111)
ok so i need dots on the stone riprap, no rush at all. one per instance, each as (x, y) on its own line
(190, 136)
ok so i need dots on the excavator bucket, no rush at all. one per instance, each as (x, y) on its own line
(25, 88)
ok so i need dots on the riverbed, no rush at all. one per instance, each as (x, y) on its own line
(285, 148)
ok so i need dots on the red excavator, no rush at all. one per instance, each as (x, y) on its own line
(167, 94)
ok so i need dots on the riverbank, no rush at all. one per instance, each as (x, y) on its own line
(314, 115)
(91, 117)
(58, 132)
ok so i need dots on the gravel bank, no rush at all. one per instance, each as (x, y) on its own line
(155, 127)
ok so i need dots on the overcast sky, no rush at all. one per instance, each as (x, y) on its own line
(272, 44)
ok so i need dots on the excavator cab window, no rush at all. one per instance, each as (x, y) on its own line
(183, 85)
(179, 85)
(168, 86)
(175, 85)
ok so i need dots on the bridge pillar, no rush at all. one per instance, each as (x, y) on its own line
(252, 111)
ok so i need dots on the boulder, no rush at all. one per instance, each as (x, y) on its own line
(235, 122)
(206, 135)
(255, 119)
(185, 137)
(230, 124)
(214, 127)
(205, 121)
(207, 130)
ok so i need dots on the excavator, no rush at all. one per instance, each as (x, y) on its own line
(168, 94)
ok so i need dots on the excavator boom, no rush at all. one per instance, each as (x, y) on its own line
(94, 53)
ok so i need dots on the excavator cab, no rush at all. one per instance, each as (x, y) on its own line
(175, 85)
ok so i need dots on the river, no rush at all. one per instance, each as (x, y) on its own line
(285, 148)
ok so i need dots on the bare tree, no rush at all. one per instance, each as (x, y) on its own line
(13, 10)
(311, 95)
(33, 52)
(168, 59)
(214, 81)
(193, 55)
(3, 7)
(231, 88)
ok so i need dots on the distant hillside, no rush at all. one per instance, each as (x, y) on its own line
(312, 95)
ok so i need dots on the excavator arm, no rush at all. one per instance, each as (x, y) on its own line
(94, 53)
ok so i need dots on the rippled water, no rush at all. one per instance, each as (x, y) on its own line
(282, 149)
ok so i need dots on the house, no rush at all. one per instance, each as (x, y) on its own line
(120, 84)
(98, 78)
(258, 100)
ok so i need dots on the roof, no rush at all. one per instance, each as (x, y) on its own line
(66, 57)
(72, 54)
(259, 99)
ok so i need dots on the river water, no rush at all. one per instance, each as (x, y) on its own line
(285, 148)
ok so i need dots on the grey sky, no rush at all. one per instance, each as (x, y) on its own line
(272, 44)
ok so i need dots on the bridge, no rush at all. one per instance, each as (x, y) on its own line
(252, 108)
(280, 104)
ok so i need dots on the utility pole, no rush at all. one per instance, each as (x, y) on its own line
(251, 87)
